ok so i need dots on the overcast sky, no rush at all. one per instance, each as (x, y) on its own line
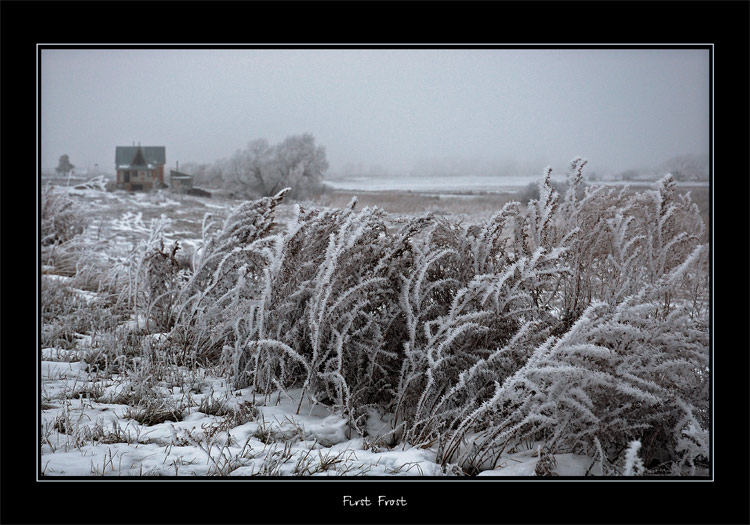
(390, 107)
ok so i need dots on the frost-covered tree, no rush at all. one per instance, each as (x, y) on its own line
(261, 169)
(64, 167)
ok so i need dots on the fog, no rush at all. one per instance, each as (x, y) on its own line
(400, 111)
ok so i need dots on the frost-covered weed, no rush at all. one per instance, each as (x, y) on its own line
(579, 319)
(67, 245)
(62, 218)
(226, 282)
(633, 463)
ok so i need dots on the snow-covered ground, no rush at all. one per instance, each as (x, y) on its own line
(85, 431)
(82, 437)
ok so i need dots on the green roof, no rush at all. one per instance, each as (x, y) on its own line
(126, 155)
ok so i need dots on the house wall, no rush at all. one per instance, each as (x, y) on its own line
(141, 180)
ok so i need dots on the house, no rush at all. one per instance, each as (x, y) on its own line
(180, 182)
(140, 167)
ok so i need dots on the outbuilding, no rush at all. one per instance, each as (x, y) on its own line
(180, 182)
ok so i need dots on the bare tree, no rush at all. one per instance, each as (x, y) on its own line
(248, 168)
(688, 167)
(262, 169)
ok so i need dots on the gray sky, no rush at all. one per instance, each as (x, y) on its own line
(394, 108)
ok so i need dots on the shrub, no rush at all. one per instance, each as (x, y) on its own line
(62, 219)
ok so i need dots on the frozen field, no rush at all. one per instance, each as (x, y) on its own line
(90, 425)
(434, 184)
(88, 428)
(462, 185)
(121, 397)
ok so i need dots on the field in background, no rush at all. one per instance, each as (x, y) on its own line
(479, 205)
(442, 196)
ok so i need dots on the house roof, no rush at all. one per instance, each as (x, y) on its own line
(136, 166)
(178, 175)
(126, 155)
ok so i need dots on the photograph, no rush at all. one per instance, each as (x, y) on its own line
(375, 262)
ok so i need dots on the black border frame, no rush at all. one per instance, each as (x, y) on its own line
(723, 24)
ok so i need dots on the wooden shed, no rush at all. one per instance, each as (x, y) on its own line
(180, 182)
